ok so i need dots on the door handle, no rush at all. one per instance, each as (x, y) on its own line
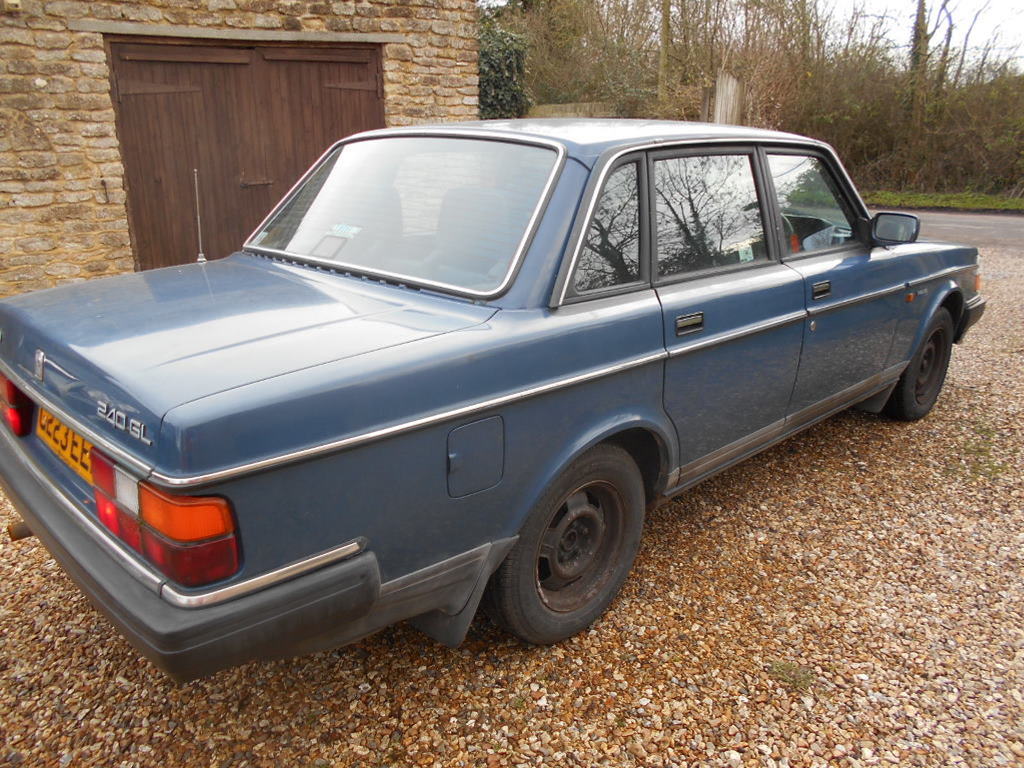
(689, 323)
(256, 183)
(821, 290)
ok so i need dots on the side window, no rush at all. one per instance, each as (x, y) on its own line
(707, 212)
(814, 215)
(610, 254)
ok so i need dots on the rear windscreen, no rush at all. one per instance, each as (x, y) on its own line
(444, 211)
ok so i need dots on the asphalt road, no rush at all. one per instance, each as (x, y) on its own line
(982, 230)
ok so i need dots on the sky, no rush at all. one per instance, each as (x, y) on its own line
(1001, 21)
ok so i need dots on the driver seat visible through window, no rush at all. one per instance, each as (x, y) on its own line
(814, 215)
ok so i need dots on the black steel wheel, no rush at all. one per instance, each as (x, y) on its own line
(919, 386)
(574, 551)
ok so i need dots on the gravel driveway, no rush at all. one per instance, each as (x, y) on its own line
(853, 597)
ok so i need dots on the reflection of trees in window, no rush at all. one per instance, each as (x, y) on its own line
(611, 248)
(811, 204)
(804, 185)
(800, 183)
(707, 213)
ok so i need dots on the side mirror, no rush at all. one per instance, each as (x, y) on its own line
(894, 228)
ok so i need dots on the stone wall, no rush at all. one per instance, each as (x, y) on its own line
(62, 199)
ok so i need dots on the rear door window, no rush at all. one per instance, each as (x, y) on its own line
(708, 213)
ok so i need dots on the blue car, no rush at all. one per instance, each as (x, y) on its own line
(452, 369)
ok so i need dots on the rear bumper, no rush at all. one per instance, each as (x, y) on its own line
(973, 311)
(331, 606)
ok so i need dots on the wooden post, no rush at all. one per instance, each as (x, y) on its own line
(730, 95)
(666, 34)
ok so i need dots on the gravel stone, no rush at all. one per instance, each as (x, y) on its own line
(852, 597)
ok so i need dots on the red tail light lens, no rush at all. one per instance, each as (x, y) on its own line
(17, 407)
(119, 521)
(191, 539)
(191, 565)
(102, 473)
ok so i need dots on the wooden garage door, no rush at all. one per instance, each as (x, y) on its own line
(250, 119)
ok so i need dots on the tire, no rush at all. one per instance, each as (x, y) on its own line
(574, 552)
(921, 382)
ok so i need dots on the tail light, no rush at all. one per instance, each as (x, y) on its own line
(16, 406)
(190, 539)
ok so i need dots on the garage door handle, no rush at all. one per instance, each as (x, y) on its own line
(689, 323)
(821, 290)
(261, 183)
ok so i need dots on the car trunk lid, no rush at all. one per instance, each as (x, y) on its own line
(139, 345)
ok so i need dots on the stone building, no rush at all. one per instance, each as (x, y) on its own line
(114, 114)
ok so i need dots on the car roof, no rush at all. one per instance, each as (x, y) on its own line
(586, 139)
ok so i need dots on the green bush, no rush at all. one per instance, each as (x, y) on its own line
(502, 73)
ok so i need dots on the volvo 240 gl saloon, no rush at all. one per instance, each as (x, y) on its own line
(451, 369)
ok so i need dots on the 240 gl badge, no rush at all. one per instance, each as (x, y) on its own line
(120, 420)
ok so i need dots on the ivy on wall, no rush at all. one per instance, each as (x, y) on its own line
(502, 73)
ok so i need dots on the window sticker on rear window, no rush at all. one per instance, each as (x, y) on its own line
(345, 230)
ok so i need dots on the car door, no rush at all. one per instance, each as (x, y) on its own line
(732, 313)
(852, 293)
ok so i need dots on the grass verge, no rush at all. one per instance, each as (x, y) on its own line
(962, 201)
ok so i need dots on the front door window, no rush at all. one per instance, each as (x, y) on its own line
(814, 214)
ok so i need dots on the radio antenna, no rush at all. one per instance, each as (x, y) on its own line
(201, 258)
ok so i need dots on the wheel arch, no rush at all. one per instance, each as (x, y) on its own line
(954, 303)
(650, 454)
(650, 444)
(947, 296)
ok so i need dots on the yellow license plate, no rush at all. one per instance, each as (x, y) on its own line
(65, 442)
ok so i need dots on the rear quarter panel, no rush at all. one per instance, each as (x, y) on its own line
(394, 491)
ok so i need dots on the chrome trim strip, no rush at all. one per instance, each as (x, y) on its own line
(556, 167)
(104, 443)
(975, 301)
(727, 453)
(942, 273)
(667, 143)
(91, 527)
(821, 309)
(62, 371)
(284, 573)
(847, 397)
(431, 572)
(735, 452)
(406, 426)
(738, 333)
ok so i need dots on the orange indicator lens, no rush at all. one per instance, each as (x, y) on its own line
(185, 518)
